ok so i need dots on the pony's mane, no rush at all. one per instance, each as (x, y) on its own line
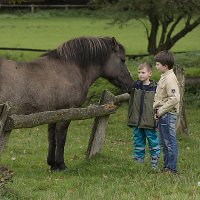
(85, 51)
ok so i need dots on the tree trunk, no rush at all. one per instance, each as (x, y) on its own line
(170, 42)
(152, 47)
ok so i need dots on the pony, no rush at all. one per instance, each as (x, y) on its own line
(60, 79)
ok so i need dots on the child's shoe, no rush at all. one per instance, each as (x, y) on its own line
(138, 160)
(154, 166)
(154, 162)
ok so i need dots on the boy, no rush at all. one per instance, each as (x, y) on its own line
(166, 105)
(141, 116)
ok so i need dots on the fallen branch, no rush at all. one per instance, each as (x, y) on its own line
(36, 119)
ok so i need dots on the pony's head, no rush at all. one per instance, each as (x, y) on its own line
(105, 53)
(115, 69)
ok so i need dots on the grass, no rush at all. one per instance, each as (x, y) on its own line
(47, 29)
(112, 173)
(109, 175)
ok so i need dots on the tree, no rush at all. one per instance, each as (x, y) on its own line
(160, 18)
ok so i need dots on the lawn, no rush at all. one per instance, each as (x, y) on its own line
(111, 174)
(46, 30)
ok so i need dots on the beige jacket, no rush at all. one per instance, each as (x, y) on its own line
(167, 95)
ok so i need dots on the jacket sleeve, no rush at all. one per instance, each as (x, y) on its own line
(173, 94)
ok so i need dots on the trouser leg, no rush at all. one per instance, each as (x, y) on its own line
(154, 148)
(139, 142)
(168, 134)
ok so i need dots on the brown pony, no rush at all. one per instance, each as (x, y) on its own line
(61, 79)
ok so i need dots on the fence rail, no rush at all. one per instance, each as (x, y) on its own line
(109, 106)
(35, 6)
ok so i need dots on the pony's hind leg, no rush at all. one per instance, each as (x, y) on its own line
(60, 133)
(52, 144)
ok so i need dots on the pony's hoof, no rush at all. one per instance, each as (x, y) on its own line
(57, 168)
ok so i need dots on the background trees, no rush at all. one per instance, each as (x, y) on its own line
(160, 18)
(14, 1)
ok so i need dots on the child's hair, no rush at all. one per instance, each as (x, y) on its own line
(145, 65)
(165, 58)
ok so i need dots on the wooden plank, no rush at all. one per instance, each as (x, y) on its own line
(5, 112)
(97, 136)
(36, 119)
(181, 121)
(121, 98)
(192, 80)
(42, 6)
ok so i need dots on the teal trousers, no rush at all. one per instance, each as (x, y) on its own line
(140, 136)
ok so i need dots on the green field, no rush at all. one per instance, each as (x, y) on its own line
(46, 30)
(109, 175)
(112, 173)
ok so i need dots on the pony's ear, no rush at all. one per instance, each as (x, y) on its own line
(114, 44)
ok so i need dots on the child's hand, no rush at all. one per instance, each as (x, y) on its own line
(156, 117)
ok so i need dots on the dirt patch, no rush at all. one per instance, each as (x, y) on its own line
(5, 175)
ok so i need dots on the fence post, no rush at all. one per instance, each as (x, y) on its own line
(66, 7)
(5, 110)
(32, 8)
(97, 136)
(181, 122)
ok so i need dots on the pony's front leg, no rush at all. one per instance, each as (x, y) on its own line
(61, 132)
(52, 144)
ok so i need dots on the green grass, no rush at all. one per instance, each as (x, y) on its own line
(112, 173)
(108, 175)
(46, 30)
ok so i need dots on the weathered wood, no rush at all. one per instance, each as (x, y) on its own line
(97, 136)
(121, 98)
(36, 119)
(181, 121)
(4, 113)
(192, 80)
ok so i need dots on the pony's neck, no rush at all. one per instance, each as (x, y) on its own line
(91, 74)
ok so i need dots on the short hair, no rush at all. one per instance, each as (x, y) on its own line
(165, 58)
(145, 65)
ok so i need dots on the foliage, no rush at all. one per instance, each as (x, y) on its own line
(192, 95)
(15, 1)
(23, 29)
(154, 15)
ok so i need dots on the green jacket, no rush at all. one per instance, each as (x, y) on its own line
(140, 111)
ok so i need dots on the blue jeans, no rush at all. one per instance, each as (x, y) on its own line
(139, 142)
(167, 139)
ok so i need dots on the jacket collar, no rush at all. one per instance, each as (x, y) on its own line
(138, 84)
(167, 73)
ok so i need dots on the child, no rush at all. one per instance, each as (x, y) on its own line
(166, 105)
(141, 116)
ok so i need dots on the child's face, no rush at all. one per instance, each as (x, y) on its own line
(144, 74)
(161, 68)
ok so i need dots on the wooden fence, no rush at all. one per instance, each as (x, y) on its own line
(108, 104)
(33, 7)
